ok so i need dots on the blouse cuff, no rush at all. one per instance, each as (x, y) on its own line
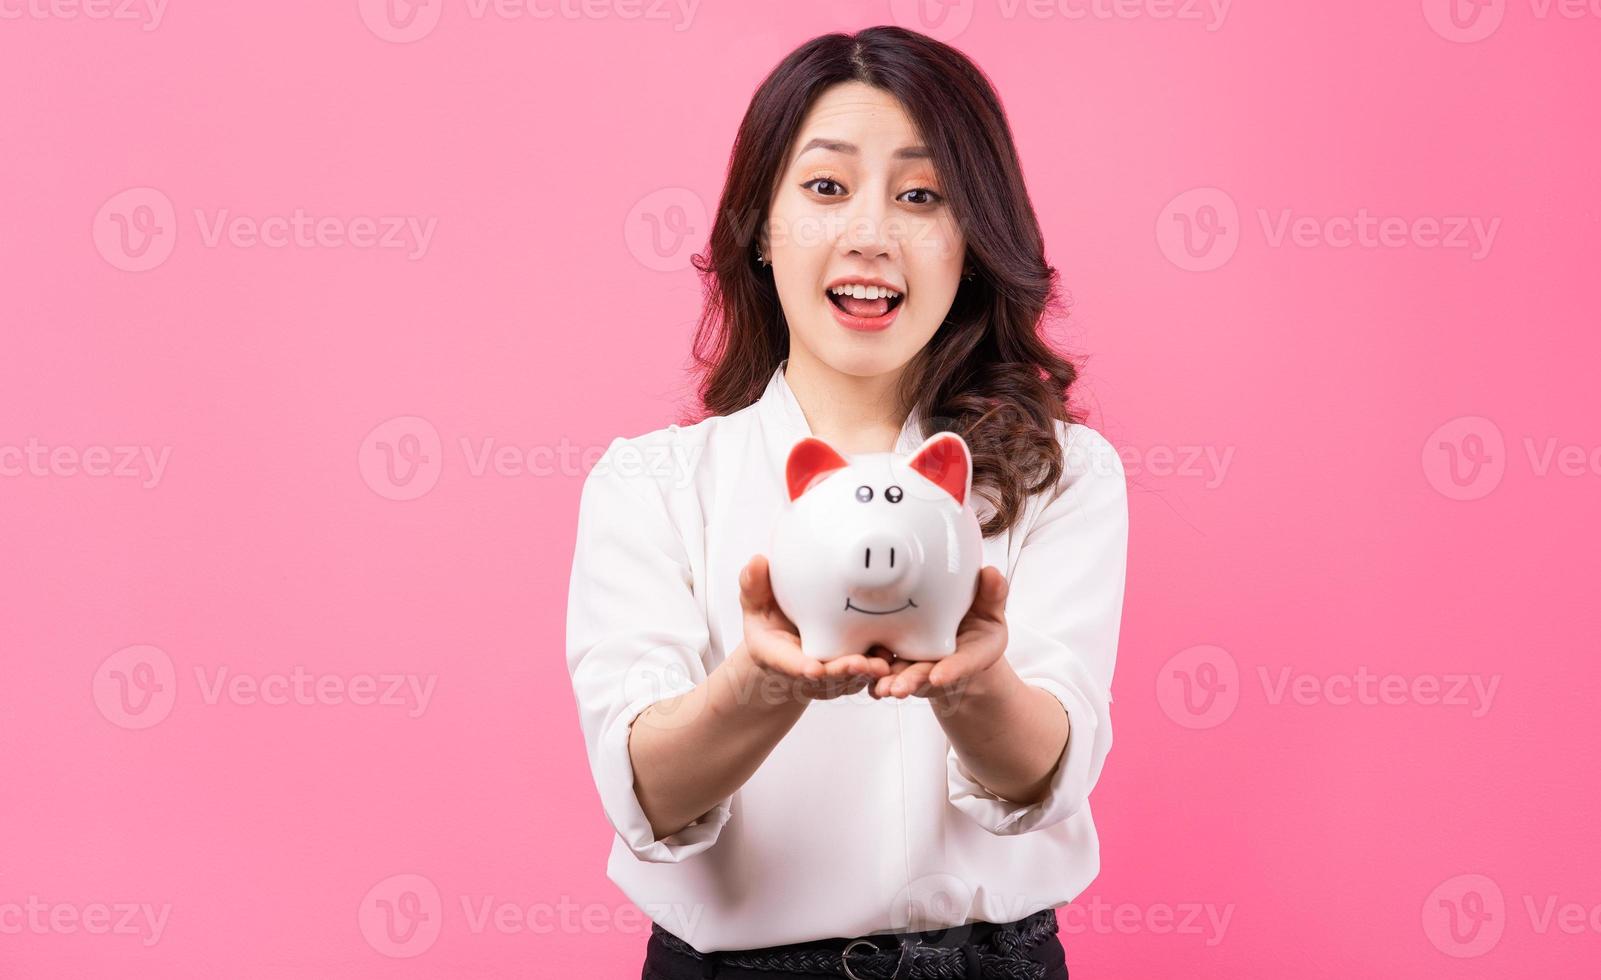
(1070, 781)
(615, 770)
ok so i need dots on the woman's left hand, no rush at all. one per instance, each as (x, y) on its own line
(980, 642)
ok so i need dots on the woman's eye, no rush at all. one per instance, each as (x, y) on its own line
(930, 197)
(824, 180)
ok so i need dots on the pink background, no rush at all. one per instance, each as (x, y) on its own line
(1384, 409)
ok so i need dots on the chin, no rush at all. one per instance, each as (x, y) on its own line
(851, 359)
(865, 355)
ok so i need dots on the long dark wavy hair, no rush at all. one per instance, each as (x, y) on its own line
(987, 373)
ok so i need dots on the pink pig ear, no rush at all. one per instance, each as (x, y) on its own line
(809, 459)
(945, 460)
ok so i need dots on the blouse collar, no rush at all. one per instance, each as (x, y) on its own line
(782, 415)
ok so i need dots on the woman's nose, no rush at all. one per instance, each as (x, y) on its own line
(869, 232)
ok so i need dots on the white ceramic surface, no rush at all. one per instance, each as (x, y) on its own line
(878, 548)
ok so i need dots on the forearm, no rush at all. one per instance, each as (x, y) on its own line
(694, 750)
(1008, 733)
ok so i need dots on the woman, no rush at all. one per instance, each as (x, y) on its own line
(862, 816)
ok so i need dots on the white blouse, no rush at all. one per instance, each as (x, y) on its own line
(862, 819)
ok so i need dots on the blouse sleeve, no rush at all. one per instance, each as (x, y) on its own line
(1063, 610)
(635, 636)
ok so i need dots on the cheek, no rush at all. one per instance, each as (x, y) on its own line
(936, 249)
(796, 269)
(797, 226)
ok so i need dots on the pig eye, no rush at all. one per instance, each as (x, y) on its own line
(864, 494)
(892, 494)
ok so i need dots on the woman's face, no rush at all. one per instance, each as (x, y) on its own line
(858, 203)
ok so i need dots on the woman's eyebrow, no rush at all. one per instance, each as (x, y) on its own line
(840, 146)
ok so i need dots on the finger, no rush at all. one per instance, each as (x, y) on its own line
(856, 663)
(990, 600)
(951, 669)
(747, 585)
(754, 583)
(853, 687)
(836, 687)
(898, 666)
(756, 596)
(789, 659)
(910, 680)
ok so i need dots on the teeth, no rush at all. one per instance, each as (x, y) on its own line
(859, 291)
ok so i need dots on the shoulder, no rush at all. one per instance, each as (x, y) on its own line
(669, 459)
(1091, 466)
(1085, 452)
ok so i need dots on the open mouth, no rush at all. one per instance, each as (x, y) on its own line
(877, 612)
(864, 302)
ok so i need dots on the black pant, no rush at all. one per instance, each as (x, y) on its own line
(665, 963)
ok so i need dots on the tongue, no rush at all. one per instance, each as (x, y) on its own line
(867, 308)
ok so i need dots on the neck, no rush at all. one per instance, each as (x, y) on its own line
(853, 414)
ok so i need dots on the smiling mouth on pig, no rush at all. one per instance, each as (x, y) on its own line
(878, 612)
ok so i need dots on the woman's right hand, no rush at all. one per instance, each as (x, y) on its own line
(773, 644)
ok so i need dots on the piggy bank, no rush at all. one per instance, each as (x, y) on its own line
(877, 548)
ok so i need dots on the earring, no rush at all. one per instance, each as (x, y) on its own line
(760, 258)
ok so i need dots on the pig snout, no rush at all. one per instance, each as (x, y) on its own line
(878, 560)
